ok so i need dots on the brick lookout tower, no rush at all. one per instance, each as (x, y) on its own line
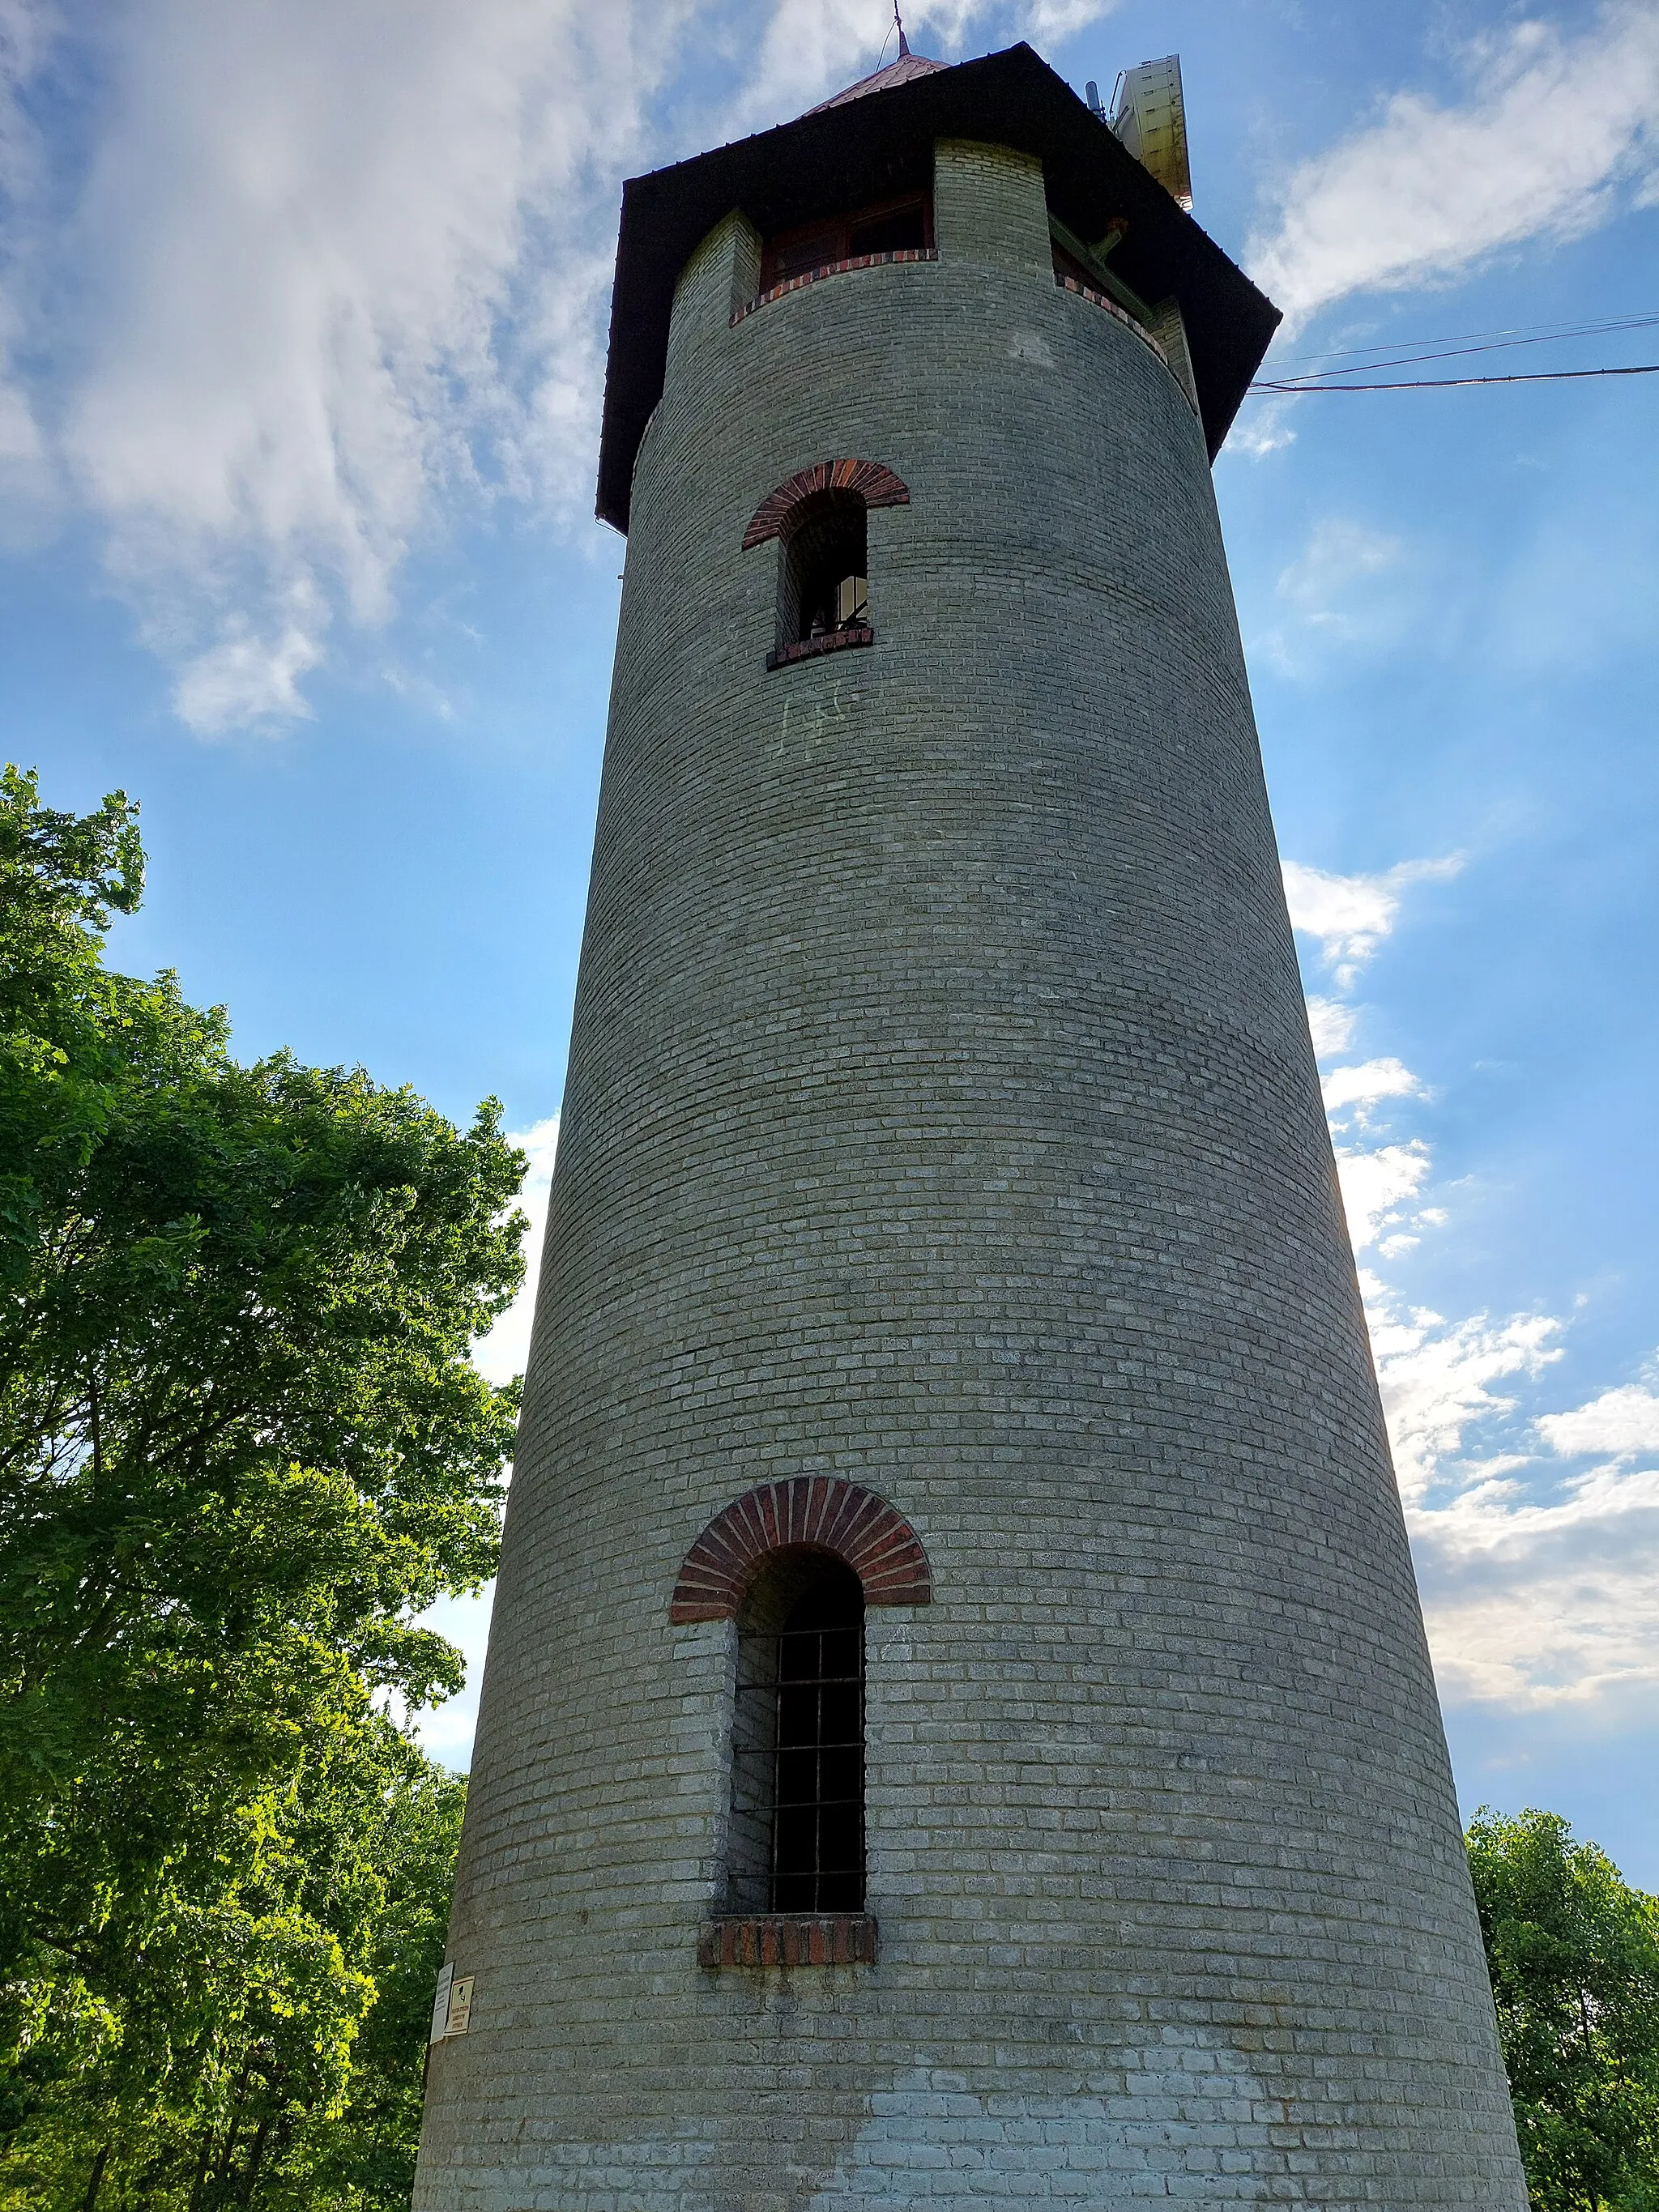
(957, 1723)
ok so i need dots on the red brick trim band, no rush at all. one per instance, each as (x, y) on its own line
(829, 640)
(775, 1939)
(819, 1513)
(833, 268)
(878, 486)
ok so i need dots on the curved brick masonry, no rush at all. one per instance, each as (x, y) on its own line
(830, 269)
(876, 486)
(942, 1119)
(816, 1513)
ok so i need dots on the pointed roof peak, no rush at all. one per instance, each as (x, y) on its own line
(904, 70)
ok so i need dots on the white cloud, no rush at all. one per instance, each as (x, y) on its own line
(1550, 130)
(504, 1351)
(1048, 21)
(1332, 595)
(1378, 1186)
(1437, 1376)
(19, 434)
(1536, 1592)
(1532, 1605)
(1346, 1088)
(1352, 914)
(1331, 1024)
(1264, 426)
(1619, 1422)
(340, 275)
(811, 48)
(249, 681)
(335, 277)
(1338, 554)
(26, 39)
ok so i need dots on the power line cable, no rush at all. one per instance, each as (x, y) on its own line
(1448, 383)
(1530, 332)
(1396, 360)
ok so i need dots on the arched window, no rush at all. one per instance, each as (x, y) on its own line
(821, 587)
(795, 1564)
(796, 1840)
(820, 518)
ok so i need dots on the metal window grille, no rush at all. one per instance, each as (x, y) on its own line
(806, 1724)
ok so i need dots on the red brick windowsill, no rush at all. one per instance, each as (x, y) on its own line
(833, 269)
(832, 640)
(785, 1939)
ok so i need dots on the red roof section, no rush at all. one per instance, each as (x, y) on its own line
(906, 68)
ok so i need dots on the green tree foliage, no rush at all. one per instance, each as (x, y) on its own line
(241, 1442)
(1574, 1957)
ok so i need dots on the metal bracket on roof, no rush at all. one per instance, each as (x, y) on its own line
(1093, 258)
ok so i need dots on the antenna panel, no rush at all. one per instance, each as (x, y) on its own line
(1149, 117)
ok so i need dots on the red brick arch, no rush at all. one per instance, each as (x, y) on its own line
(819, 1512)
(878, 485)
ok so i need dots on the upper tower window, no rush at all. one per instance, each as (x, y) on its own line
(822, 587)
(819, 517)
(904, 226)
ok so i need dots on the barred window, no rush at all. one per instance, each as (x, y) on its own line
(797, 1827)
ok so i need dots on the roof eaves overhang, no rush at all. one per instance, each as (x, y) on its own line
(877, 147)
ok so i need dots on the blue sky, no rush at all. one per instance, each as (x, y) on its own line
(302, 324)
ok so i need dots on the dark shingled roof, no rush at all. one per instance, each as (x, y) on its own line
(881, 145)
